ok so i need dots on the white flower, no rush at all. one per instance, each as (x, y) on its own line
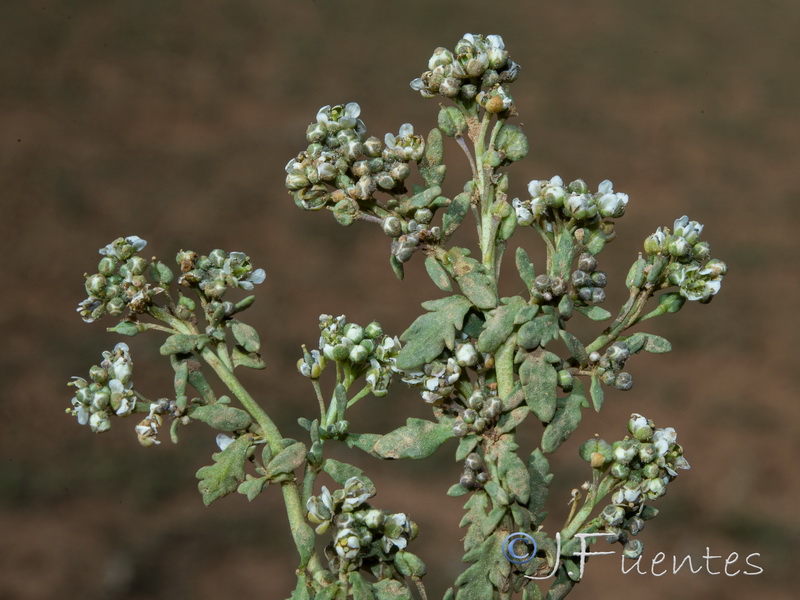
(535, 188)
(223, 441)
(689, 230)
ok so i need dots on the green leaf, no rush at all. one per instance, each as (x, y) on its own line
(499, 325)
(648, 342)
(526, 313)
(251, 360)
(128, 328)
(418, 438)
(329, 593)
(562, 260)
(219, 416)
(397, 267)
(539, 384)
(340, 472)
(227, 472)
(488, 559)
(532, 592)
(515, 397)
(287, 460)
(391, 589)
(252, 486)
(362, 441)
(430, 333)
(473, 279)
(566, 420)
(576, 349)
(475, 517)
(540, 478)
(595, 313)
(360, 589)
(437, 274)
(473, 324)
(457, 490)
(511, 420)
(466, 445)
(301, 590)
(525, 268)
(596, 391)
(434, 149)
(246, 336)
(455, 213)
(515, 476)
(538, 331)
(181, 343)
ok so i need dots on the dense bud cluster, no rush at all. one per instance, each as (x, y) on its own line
(588, 283)
(609, 366)
(342, 168)
(214, 274)
(363, 536)
(679, 258)
(363, 350)
(552, 201)
(109, 393)
(120, 281)
(477, 62)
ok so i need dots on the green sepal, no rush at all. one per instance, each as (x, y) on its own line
(391, 589)
(539, 382)
(242, 358)
(499, 325)
(515, 476)
(431, 333)
(397, 267)
(252, 486)
(183, 343)
(438, 274)
(565, 252)
(596, 392)
(540, 478)
(576, 349)
(340, 472)
(595, 313)
(566, 420)
(418, 438)
(359, 588)
(466, 445)
(227, 472)
(126, 328)
(286, 461)
(455, 213)
(221, 417)
(245, 335)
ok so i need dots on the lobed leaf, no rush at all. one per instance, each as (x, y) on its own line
(418, 438)
(227, 472)
(539, 384)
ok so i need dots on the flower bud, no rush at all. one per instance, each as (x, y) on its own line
(679, 247)
(613, 515)
(107, 266)
(620, 471)
(512, 142)
(392, 226)
(474, 462)
(624, 381)
(466, 355)
(633, 549)
(358, 355)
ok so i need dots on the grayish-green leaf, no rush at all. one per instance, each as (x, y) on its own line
(391, 589)
(222, 417)
(466, 445)
(565, 421)
(252, 486)
(595, 313)
(251, 360)
(181, 343)
(576, 349)
(456, 490)
(538, 331)
(301, 590)
(431, 333)
(418, 438)
(596, 391)
(540, 478)
(397, 267)
(499, 325)
(455, 213)
(526, 313)
(246, 336)
(539, 384)
(511, 420)
(227, 472)
(515, 476)
(359, 587)
(287, 460)
(438, 274)
(562, 260)
(525, 268)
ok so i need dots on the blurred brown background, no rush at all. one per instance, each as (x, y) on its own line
(173, 120)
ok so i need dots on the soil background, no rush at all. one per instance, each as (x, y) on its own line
(173, 120)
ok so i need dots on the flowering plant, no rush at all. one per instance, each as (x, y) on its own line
(487, 366)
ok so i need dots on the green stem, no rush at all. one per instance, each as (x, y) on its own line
(363, 392)
(635, 306)
(318, 391)
(596, 493)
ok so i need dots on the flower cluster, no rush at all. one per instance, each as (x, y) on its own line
(552, 201)
(342, 168)
(215, 273)
(476, 62)
(119, 282)
(363, 535)
(642, 466)
(362, 350)
(412, 233)
(680, 256)
(609, 365)
(110, 391)
(588, 282)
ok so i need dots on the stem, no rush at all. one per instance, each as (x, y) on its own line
(318, 391)
(291, 496)
(363, 392)
(460, 140)
(596, 493)
(627, 318)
